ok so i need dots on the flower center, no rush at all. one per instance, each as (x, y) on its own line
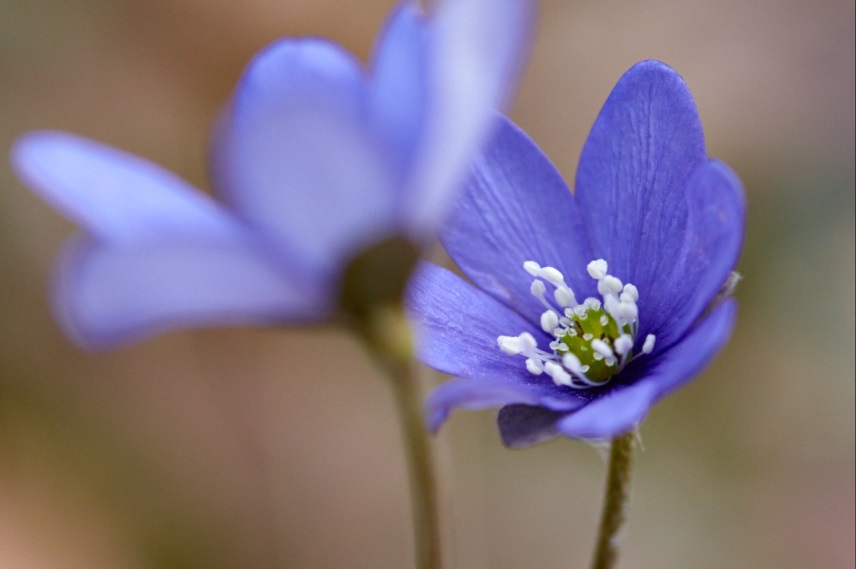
(592, 340)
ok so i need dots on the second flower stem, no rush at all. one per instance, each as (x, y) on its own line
(616, 501)
(389, 337)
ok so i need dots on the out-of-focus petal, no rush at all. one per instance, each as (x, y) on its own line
(622, 408)
(107, 295)
(297, 157)
(516, 208)
(477, 48)
(717, 212)
(115, 195)
(399, 87)
(642, 150)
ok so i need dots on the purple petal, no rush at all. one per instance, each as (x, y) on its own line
(526, 425)
(715, 225)
(115, 195)
(456, 327)
(477, 48)
(517, 208)
(633, 172)
(109, 295)
(399, 81)
(495, 391)
(296, 153)
(622, 408)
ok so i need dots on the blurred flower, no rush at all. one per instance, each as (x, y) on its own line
(589, 360)
(316, 160)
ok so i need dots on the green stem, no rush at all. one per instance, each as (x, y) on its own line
(616, 501)
(390, 341)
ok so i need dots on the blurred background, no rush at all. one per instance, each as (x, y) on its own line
(229, 448)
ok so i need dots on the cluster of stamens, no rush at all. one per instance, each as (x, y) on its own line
(592, 340)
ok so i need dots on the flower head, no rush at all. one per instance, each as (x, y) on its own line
(316, 159)
(586, 308)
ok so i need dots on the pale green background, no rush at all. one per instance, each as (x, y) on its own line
(241, 448)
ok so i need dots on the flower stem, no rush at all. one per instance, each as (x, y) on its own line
(390, 340)
(615, 502)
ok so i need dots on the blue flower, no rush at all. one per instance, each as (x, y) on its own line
(316, 159)
(586, 308)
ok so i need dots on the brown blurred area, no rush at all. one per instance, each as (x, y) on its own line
(232, 448)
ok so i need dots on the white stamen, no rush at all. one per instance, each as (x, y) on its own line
(648, 346)
(532, 268)
(558, 373)
(565, 318)
(632, 291)
(565, 297)
(609, 284)
(602, 348)
(549, 321)
(552, 276)
(597, 269)
(572, 362)
(533, 367)
(623, 344)
(509, 344)
(538, 288)
(527, 342)
(627, 311)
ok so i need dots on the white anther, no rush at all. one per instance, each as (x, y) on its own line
(533, 367)
(592, 303)
(609, 284)
(552, 276)
(648, 346)
(610, 361)
(558, 373)
(610, 304)
(580, 311)
(527, 342)
(572, 362)
(549, 321)
(597, 269)
(602, 348)
(623, 344)
(632, 291)
(627, 311)
(532, 268)
(604, 320)
(565, 297)
(509, 344)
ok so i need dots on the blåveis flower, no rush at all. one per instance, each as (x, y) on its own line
(316, 159)
(586, 308)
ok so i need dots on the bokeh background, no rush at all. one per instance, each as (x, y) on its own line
(233, 448)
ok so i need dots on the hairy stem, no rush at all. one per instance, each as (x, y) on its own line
(615, 502)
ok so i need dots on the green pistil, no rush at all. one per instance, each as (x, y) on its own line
(595, 323)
